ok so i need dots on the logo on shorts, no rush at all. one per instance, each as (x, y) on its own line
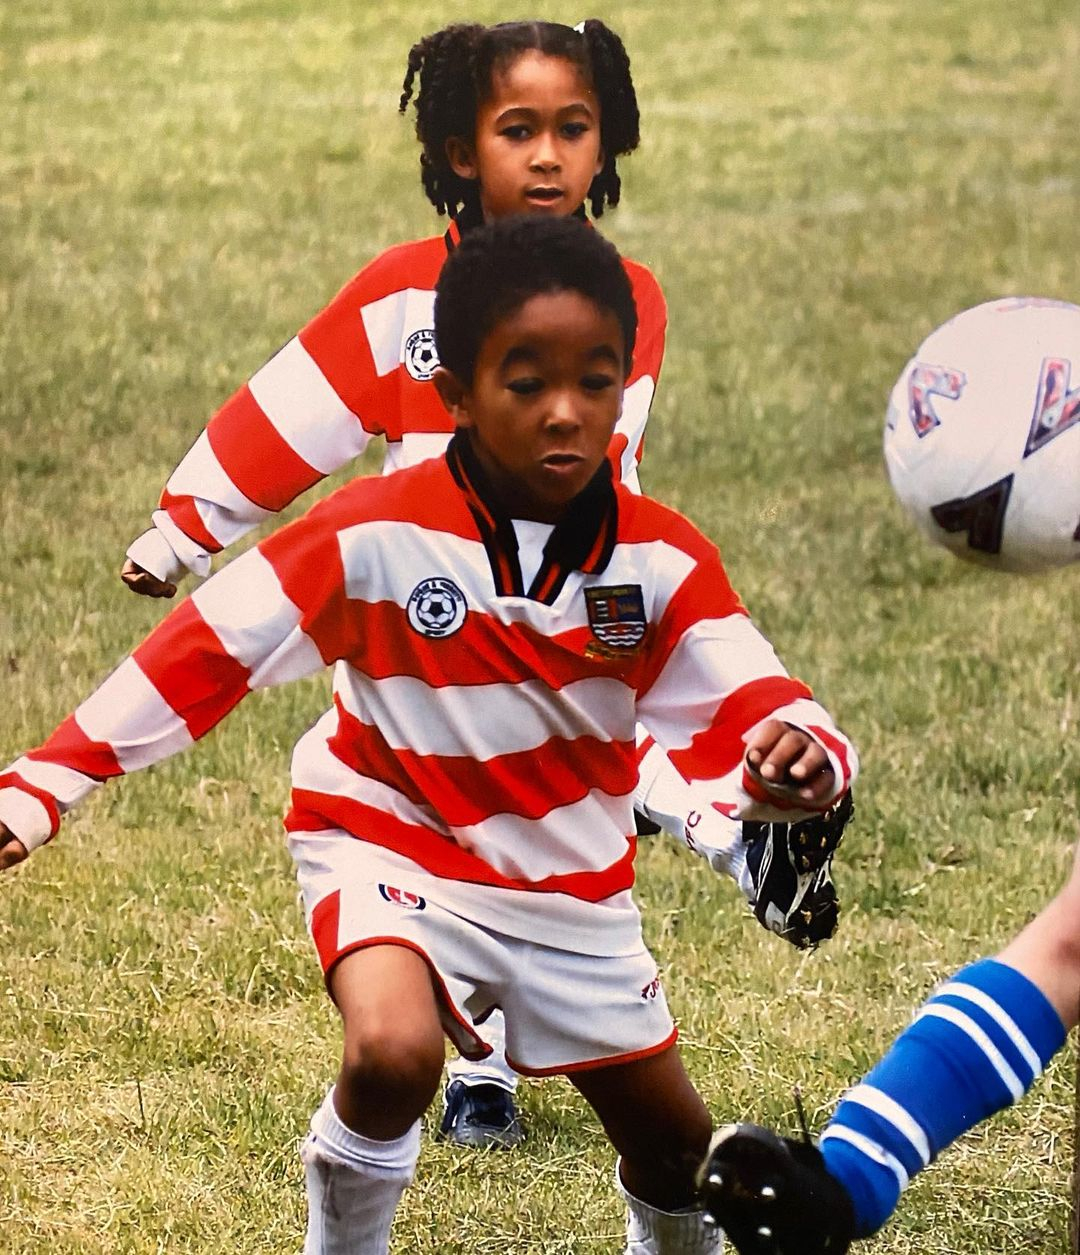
(403, 897)
(436, 608)
(651, 990)
(420, 355)
(617, 616)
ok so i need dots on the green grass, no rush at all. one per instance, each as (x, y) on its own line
(820, 183)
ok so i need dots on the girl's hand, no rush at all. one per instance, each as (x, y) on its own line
(12, 850)
(788, 761)
(145, 584)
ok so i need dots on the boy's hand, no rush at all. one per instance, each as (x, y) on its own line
(145, 584)
(787, 760)
(12, 850)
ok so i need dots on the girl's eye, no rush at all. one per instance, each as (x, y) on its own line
(597, 382)
(517, 131)
(525, 387)
(574, 130)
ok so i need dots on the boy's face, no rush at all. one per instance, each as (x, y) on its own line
(544, 399)
(537, 142)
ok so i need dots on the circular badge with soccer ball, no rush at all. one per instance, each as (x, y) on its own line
(982, 435)
(436, 608)
(420, 355)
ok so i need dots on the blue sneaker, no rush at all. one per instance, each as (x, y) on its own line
(480, 1116)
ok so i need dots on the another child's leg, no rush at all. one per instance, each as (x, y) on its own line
(479, 1109)
(364, 1140)
(976, 1046)
(658, 1124)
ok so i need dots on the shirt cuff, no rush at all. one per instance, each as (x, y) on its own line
(25, 817)
(154, 554)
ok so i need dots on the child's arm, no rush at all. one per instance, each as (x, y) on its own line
(628, 441)
(313, 407)
(275, 614)
(728, 714)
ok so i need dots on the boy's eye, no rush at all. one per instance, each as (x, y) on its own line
(597, 382)
(525, 387)
(574, 130)
(517, 131)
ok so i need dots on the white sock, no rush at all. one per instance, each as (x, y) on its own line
(650, 1231)
(353, 1184)
(493, 1070)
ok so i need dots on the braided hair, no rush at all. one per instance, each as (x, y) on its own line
(456, 66)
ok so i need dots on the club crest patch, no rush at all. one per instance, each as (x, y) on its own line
(617, 616)
(420, 355)
(403, 897)
(436, 608)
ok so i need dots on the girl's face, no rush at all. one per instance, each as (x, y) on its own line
(537, 142)
(545, 397)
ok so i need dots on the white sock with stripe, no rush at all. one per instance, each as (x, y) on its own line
(353, 1184)
(976, 1046)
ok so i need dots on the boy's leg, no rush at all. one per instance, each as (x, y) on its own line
(656, 1121)
(479, 1102)
(364, 1139)
(976, 1046)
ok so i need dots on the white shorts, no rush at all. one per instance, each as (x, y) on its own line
(564, 1011)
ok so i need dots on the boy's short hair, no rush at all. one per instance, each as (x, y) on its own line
(498, 267)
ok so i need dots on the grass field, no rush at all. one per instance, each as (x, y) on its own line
(821, 182)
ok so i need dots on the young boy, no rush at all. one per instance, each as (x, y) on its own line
(461, 819)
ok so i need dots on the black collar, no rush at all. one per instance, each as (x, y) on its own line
(582, 540)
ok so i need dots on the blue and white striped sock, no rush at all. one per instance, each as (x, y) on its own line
(975, 1047)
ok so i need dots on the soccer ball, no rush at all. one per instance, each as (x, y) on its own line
(982, 434)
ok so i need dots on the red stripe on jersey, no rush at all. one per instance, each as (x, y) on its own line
(278, 475)
(718, 749)
(463, 791)
(442, 856)
(837, 746)
(69, 746)
(615, 455)
(324, 928)
(12, 780)
(185, 514)
(644, 748)
(186, 662)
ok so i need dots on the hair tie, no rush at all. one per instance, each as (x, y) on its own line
(580, 27)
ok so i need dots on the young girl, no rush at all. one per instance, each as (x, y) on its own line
(461, 818)
(523, 117)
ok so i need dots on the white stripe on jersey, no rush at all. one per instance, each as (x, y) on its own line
(386, 321)
(486, 720)
(414, 447)
(503, 840)
(736, 653)
(26, 817)
(66, 785)
(305, 410)
(250, 611)
(132, 717)
(658, 567)
(635, 414)
(200, 475)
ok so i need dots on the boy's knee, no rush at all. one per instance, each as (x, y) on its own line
(393, 1061)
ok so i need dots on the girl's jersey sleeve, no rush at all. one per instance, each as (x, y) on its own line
(310, 409)
(713, 680)
(275, 614)
(628, 441)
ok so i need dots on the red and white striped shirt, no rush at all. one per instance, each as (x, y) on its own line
(482, 734)
(361, 368)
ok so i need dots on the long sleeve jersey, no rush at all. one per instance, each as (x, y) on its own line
(482, 733)
(361, 368)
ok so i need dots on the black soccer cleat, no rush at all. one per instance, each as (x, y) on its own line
(480, 1116)
(773, 1196)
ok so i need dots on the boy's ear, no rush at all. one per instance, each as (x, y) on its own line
(600, 159)
(453, 394)
(462, 157)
